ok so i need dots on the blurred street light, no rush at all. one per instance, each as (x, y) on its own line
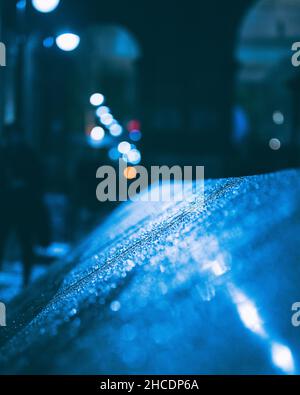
(68, 41)
(134, 156)
(102, 110)
(97, 133)
(275, 144)
(107, 119)
(115, 129)
(97, 99)
(45, 6)
(278, 118)
(96, 137)
(124, 147)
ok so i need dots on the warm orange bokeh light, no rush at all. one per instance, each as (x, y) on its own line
(130, 173)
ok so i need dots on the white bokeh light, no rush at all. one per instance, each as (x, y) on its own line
(102, 110)
(115, 130)
(275, 144)
(45, 6)
(107, 119)
(124, 147)
(68, 42)
(97, 99)
(97, 133)
(134, 156)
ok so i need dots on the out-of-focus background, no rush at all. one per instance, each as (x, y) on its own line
(183, 82)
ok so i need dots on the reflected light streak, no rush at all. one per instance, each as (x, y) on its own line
(247, 311)
(282, 358)
(218, 266)
(281, 355)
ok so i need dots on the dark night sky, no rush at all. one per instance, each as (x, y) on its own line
(142, 14)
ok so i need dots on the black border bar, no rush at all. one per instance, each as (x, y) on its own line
(132, 383)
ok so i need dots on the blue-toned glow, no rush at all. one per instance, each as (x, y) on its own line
(54, 250)
(162, 262)
(124, 147)
(135, 135)
(247, 311)
(21, 5)
(45, 6)
(114, 154)
(278, 118)
(97, 99)
(48, 42)
(241, 124)
(68, 42)
(115, 306)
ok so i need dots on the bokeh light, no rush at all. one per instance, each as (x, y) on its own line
(97, 133)
(115, 130)
(68, 42)
(275, 144)
(124, 147)
(45, 6)
(130, 173)
(102, 110)
(107, 119)
(113, 154)
(97, 99)
(134, 125)
(48, 42)
(135, 135)
(134, 156)
(21, 5)
(278, 118)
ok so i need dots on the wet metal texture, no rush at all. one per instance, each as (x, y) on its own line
(180, 287)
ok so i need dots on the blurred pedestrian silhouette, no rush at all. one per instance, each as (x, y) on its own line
(21, 198)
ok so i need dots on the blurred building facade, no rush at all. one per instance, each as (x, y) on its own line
(266, 82)
(180, 69)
